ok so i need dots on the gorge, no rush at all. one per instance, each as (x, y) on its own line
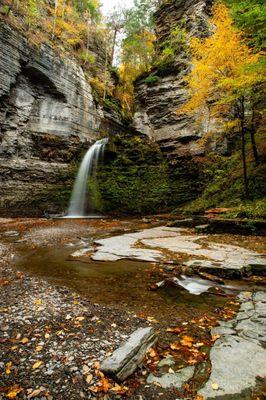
(132, 200)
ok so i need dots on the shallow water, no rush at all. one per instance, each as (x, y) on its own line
(45, 252)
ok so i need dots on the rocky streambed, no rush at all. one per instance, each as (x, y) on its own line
(73, 291)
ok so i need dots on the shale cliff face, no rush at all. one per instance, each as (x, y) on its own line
(47, 116)
(156, 103)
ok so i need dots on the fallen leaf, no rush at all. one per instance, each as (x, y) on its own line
(39, 348)
(79, 319)
(152, 320)
(24, 340)
(37, 364)
(89, 378)
(8, 367)
(215, 386)
(175, 346)
(38, 302)
(105, 385)
(152, 353)
(85, 369)
(96, 365)
(35, 393)
(187, 341)
(174, 330)
(13, 392)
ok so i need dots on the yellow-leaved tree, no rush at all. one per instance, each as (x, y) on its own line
(222, 81)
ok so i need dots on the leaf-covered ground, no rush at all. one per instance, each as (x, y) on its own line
(53, 339)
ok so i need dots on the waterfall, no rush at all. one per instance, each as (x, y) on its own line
(88, 168)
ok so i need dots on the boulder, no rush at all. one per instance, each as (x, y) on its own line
(127, 358)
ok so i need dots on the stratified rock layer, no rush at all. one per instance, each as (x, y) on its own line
(156, 104)
(47, 115)
(125, 360)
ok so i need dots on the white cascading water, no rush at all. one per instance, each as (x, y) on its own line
(78, 202)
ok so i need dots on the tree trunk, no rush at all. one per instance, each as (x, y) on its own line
(105, 69)
(244, 161)
(252, 137)
(243, 147)
(113, 46)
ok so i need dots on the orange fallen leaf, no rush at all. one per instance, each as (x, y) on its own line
(187, 341)
(105, 385)
(152, 353)
(13, 392)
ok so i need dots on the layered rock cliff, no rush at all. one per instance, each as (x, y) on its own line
(47, 117)
(157, 100)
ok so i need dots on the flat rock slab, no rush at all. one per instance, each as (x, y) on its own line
(82, 254)
(127, 358)
(147, 245)
(238, 356)
(175, 380)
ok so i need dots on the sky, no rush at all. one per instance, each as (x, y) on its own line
(109, 5)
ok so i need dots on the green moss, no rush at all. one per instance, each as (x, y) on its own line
(137, 189)
(170, 49)
(224, 187)
(151, 79)
(134, 177)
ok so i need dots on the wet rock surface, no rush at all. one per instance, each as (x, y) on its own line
(127, 358)
(238, 356)
(53, 339)
(175, 380)
(220, 259)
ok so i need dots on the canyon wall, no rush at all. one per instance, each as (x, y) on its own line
(157, 102)
(47, 118)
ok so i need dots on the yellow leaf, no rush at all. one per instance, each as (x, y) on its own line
(38, 302)
(24, 340)
(89, 378)
(215, 386)
(8, 367)
(39, 348)
(175, 346)
(37, 364)
(79, 319)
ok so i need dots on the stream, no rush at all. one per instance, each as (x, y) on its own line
(45, 249)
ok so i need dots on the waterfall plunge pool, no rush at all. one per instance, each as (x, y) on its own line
(43, 249)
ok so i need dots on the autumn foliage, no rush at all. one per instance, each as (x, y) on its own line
(222, 83)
